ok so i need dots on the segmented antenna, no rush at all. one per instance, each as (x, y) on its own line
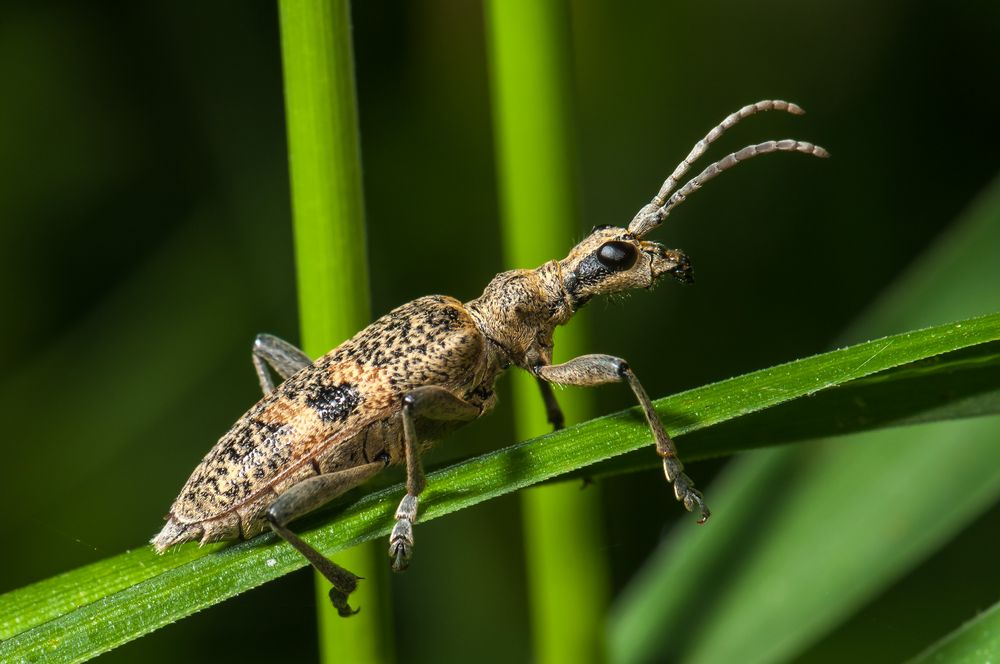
(653, 214)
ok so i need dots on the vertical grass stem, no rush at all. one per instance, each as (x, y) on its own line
(330, 251)
(529, 49)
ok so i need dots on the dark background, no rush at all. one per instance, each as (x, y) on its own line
(145, 240)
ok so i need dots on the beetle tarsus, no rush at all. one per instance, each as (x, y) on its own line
(339, 601)
(694, 502)
(401, 539)
(399, 554)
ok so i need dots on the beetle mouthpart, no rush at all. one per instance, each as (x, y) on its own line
(681, 270)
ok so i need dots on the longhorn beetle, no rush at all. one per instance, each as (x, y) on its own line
(423, 370)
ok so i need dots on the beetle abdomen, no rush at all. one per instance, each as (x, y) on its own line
(339, 412)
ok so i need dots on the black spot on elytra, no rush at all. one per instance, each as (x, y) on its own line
(333, 403)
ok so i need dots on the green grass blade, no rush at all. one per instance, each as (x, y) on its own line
(975, 642)
(820, 540)
(907, 492)
(330, 255)
(529, 49)
(946, 376)
(95, 608)
(950, 387)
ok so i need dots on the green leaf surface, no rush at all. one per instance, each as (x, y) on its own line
(947, 387)
(97, 607)
(975, 642)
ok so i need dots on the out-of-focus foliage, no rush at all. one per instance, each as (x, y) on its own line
(146, 239)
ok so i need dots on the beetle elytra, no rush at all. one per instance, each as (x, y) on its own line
(424, 369)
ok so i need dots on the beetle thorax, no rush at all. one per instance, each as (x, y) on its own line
(519, 310)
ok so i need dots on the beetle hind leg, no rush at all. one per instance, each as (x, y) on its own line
(283, 357)
(305, 497)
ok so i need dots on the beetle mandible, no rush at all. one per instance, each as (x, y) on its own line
(423, 370)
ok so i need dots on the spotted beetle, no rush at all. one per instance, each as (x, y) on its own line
(424, 369)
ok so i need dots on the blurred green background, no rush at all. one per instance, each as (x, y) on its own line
(146, 239)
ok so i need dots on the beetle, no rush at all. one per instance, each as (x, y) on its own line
(424, 369)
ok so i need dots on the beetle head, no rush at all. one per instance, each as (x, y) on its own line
(612, 260)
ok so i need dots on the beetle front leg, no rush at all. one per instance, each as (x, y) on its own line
(553, 413)
(305, 497)
(283, 357)
(588, 370)
(432, 403)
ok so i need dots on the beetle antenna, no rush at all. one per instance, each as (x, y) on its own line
(730, 160)
(718, 130)
(653, 214)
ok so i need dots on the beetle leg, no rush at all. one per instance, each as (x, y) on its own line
(433, 403)
(303, 498)
(553, 412)
(588, 370)
(283, 357)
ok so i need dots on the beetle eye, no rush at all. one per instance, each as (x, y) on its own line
(617, 256)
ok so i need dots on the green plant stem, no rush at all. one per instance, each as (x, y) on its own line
(529, 47)
(330, 252)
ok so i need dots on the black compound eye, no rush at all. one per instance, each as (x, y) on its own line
(617, 256)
